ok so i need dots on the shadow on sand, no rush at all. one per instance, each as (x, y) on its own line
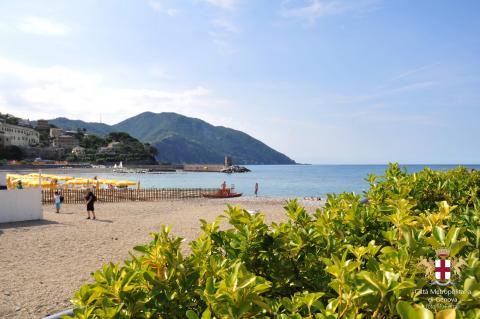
(103, 220)
(28, 223)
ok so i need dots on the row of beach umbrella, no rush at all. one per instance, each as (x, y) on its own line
(50, 181)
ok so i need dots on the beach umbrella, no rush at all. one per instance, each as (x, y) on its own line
(11, 179)
(12, 176)
(125, 183)
(49, 176)
(59, 177)
(63, 177)
(37, 183)
(78, 181)
(108, 181)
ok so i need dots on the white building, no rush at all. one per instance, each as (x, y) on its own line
(78, 150)
(17, 135)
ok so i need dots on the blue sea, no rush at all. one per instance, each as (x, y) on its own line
(275, 180)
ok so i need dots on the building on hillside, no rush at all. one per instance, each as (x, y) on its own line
(18, 135)
(65, 141)
(112, 148)
(26, 123)
(42, 125)
(114, 145)
(55, 132)
(71, 133)
(106, 150)
(3, 139)
(78, 151)
(46, 153)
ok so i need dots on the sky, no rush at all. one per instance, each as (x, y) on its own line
(323, 81)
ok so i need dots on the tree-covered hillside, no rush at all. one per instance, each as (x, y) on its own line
(115, 147)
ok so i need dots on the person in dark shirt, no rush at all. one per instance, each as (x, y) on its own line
(90, 198)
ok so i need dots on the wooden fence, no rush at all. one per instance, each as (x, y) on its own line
(77, 196)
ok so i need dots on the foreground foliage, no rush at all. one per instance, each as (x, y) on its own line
(350, 259)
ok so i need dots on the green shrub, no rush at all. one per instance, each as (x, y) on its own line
(350, 259)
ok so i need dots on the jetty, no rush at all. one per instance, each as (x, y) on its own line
(214, 168)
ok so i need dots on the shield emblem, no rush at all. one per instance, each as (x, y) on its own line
(442, 269)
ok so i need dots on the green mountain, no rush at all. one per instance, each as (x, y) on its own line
(181, 139)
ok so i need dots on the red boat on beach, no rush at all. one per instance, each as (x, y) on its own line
(223, 192)
(219, 195)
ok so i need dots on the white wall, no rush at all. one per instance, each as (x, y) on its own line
(20, 204)
(3, 177)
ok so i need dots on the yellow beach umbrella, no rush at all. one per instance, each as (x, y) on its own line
(125, 183)
(12, 176)
(15, 181)
(36, 183)
(12, 179)
(78, 181)
(63, 178)
(108, 181)
(49, 176)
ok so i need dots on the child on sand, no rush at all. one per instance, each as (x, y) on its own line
(58, 201)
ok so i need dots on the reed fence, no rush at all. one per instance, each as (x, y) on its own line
(77, 196)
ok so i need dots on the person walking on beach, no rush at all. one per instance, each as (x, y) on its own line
(90, 198)
(224, 188)
(256, 189)
(58, 201)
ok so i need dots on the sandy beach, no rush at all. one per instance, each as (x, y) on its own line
(42, 263)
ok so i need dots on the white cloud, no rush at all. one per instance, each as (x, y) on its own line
(225, 4)
(172, 12)
(222, 43)
(155, 5)
(42, 26)
(312, 10)
(158, 72)
(226, 25)
(49, 92)
(158, 7)
(387, 91)
(221, 37)
(378, 115)
(414, 71)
